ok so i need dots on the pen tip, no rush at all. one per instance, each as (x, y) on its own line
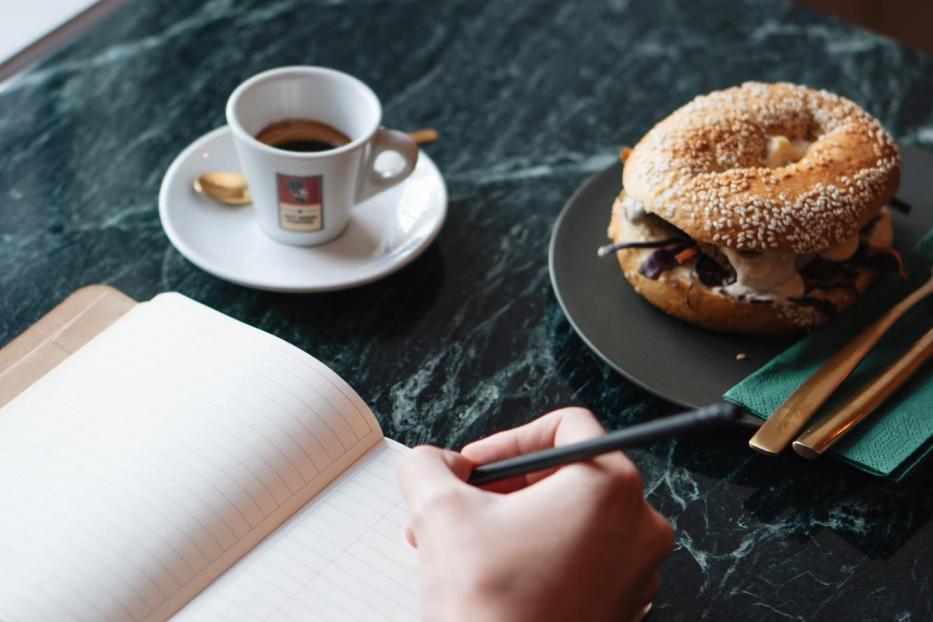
(723, 412)
(731, 412)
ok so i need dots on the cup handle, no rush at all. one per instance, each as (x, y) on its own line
(373, 182)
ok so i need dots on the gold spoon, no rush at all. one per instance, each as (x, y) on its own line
(232, 189)
(226, 188)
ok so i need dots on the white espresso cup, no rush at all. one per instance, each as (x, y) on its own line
(306, 198)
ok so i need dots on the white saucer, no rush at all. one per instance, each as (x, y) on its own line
(385, 233)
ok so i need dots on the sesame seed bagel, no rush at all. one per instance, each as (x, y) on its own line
(679, 293)
(705, 169)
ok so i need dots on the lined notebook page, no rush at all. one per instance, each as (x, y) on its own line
(341, 557)
(147, 463)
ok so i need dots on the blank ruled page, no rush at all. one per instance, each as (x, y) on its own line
(342, 557)
(147, 463)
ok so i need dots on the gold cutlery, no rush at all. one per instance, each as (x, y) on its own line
(226, 188)
(821, 436)
(232, 189)
(427, 136)
(787, 421)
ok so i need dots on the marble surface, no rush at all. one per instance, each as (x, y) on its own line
(530, 98)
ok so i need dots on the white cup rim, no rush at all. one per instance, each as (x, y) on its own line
(299, 71)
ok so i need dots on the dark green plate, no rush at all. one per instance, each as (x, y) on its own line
(670, 358)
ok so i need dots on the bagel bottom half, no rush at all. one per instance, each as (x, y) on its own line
(680, 293)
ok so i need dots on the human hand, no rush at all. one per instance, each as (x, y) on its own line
(576, 543)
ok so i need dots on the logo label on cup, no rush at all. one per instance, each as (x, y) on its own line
(301, 205)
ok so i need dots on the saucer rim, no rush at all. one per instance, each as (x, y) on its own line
(186, 250)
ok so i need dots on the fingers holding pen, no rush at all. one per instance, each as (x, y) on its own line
(557, 428)
(433, 483)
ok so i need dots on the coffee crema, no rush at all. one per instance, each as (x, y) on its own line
(303, 135)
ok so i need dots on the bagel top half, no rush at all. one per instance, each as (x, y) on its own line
(765, 167)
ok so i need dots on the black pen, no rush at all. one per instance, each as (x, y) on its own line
(641, 434)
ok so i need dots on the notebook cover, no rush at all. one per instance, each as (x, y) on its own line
(61, 331)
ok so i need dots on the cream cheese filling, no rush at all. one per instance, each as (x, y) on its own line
(633, 208)
(842, 251)
(771, 275)
(764, 276)
(782, 151)
(881, 234)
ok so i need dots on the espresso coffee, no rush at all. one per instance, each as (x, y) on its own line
(305, 145)
(304, 135)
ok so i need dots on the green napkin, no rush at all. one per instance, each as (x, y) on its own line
(899, 434)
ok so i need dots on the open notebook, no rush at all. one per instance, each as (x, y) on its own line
(183, 463)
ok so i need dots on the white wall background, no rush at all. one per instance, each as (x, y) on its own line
(22, 22)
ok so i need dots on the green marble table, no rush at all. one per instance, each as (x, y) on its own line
(530, 97)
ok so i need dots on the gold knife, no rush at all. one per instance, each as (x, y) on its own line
(787, 421)
(820, 437)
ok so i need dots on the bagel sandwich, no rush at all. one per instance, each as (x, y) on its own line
(759, 209)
